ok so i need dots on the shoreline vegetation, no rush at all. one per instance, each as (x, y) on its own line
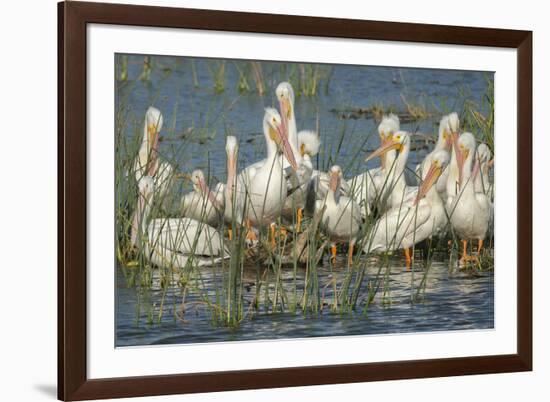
(281, 272)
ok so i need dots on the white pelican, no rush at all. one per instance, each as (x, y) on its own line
(399, 191)
(447, 125)
(147, 160)
(172, 242)
(285, 96)
(469, 211)
(203, 204)
(265, 186)
(342, 217)
(297, 180)
(372, 185)
(403, 226)
(233, 190)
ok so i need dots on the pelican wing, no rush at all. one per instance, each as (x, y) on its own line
(185, 236)
(399, 227)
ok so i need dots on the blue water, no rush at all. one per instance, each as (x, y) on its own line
(197, 120)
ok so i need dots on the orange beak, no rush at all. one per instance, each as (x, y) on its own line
(461, 157)
(449, 141)
(334, 181)
(284, 106)
(431, 178)
(282, 133)
(205, 190)
(152, 138)
(387, 145)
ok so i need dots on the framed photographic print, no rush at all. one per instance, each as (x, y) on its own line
(252, 200)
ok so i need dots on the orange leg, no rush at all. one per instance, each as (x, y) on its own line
(465, 256)
(299, 220)
(333, 253)
(250, 235)
(479, 246)
(408, 258)
(230, 233)
(350, 255)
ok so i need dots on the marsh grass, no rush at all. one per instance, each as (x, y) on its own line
(264, 280)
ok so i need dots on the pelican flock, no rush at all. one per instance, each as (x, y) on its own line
(376, 211)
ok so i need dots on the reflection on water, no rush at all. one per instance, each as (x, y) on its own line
(453, 301)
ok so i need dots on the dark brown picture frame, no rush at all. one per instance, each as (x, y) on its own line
(73, 383)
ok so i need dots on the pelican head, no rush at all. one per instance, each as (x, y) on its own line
(440, 160)
(445, 139)
(484, 154)
(397, 141)
(285, 96)
(308, 143)
(483, 159)
(453, 125)
(153, 119)
(200, 186)
(199, 182)
(274, 128)
(153, 125)
(465, 148)
(231, 150)
(388, 126)
(335, 178)
(454, 122)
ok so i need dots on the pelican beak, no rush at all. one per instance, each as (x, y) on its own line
(431, 178)
(286, 112)
(387, 145)
(282, 139)
(152, 137)
(206, 191)
(461, 156)
(232, 162)
(491, 163)
(152, 140)
(454, 140)
(334, 181)
(449, 139)
(476, 169)
(231, 171)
